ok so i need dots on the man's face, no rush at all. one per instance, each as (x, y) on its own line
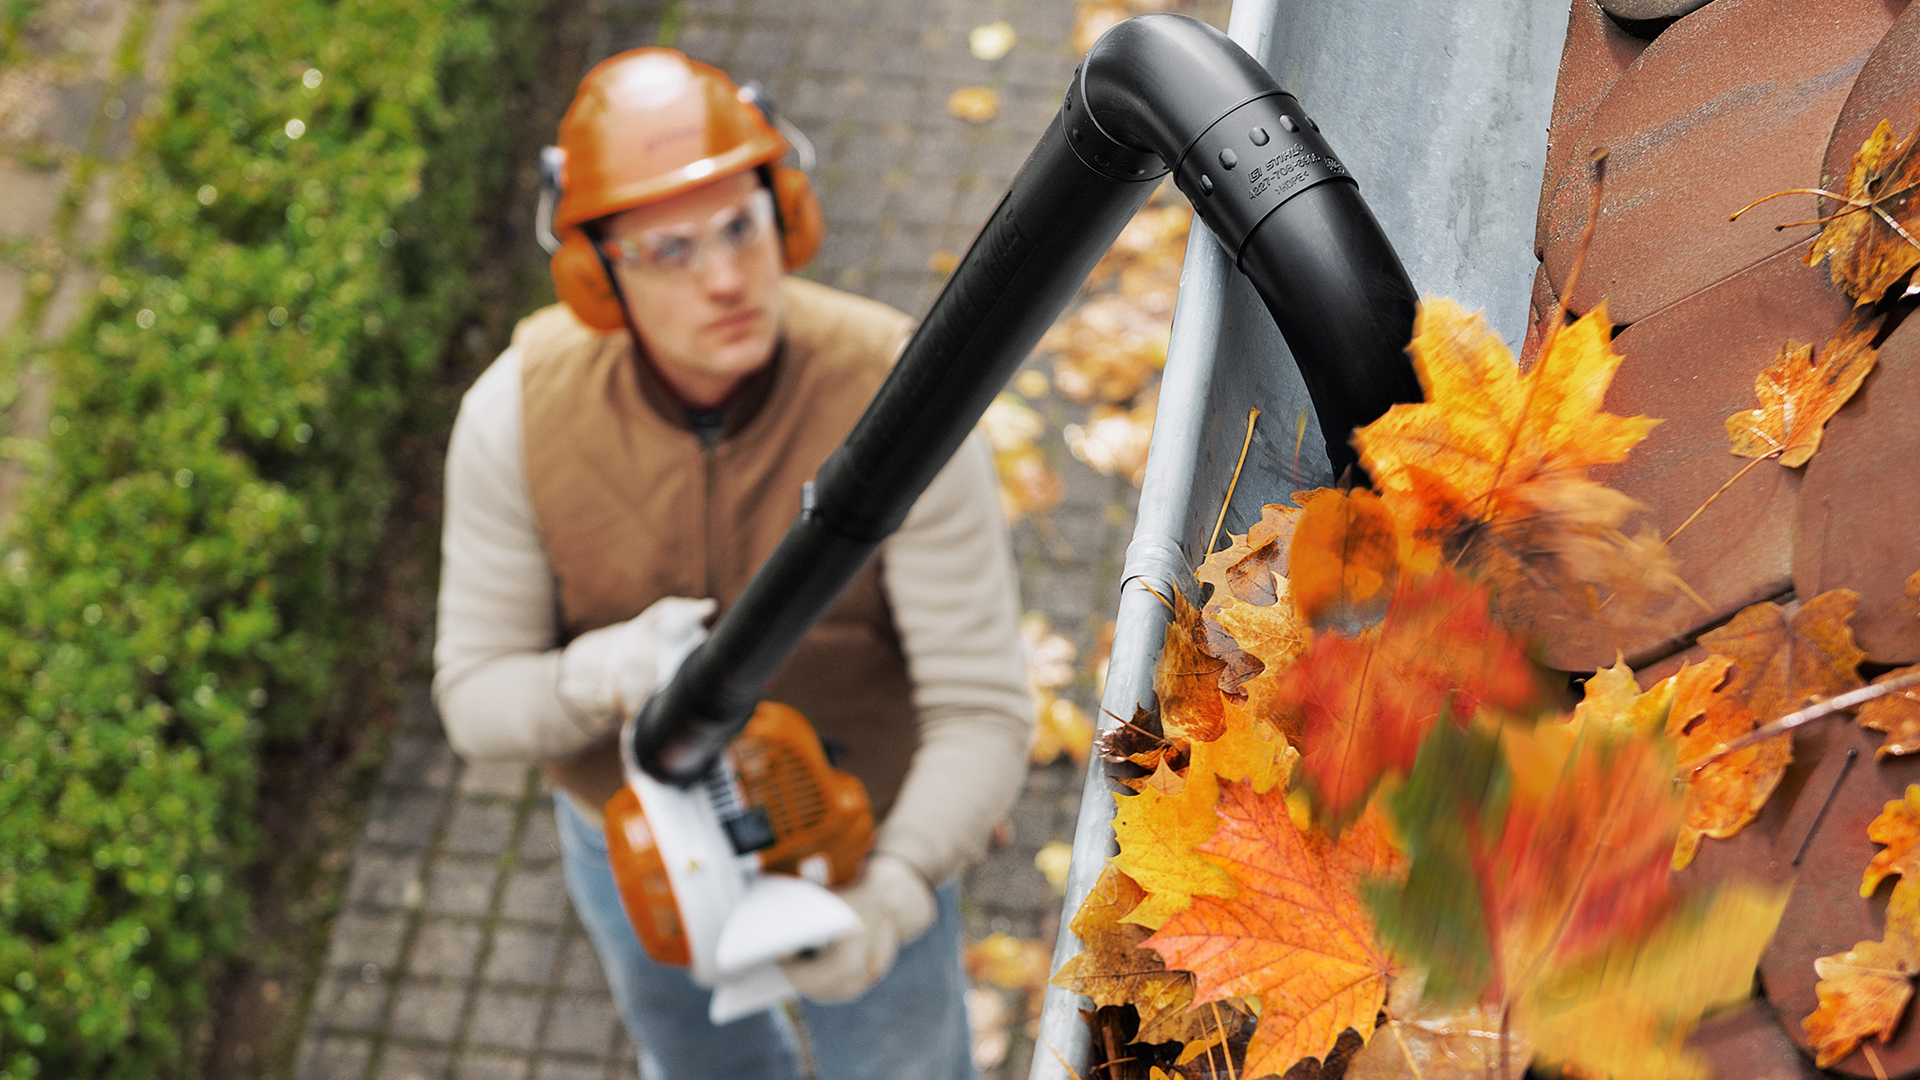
(701, 275)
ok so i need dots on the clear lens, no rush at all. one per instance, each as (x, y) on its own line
(678, 249)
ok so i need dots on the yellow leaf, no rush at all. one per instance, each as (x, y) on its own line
(991, 41)
(1158, 835)
(1008, 962)
(974, 104)
(1628, 1011)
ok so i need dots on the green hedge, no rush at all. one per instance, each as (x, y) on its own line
(292, 256)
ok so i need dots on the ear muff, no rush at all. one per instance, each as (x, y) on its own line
(801, 222)
(580, 281)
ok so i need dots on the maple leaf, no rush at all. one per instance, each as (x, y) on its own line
(1187, 680)
(1368, 701)
(1612, 698)
(1295, 932)
(1896, 714)
(1160, 829)
(1248, 567)
(1529, 849)
(1113, 969)
(1491, 469)
(1158, 834)
(1262, 638)
(1784, 660)
(1344, 560)
(1250, 573)
(1864, 991)
(1628, 1010)
(1873, 240)
(1799, 395)
(1723, 796)
(1467, 455)
(1779, 661)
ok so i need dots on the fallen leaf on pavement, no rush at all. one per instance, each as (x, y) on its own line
(974, 104)
(991, 41)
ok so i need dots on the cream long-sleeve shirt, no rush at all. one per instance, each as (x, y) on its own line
(948, 574)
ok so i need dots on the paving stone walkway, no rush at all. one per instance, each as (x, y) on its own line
(455, 954)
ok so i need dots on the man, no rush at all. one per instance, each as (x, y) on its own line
(618, 474)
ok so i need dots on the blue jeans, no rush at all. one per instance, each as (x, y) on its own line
(912, 1025)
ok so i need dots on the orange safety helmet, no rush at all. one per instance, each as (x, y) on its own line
(646, 125)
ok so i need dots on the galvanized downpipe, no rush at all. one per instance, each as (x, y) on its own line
(1157, 93)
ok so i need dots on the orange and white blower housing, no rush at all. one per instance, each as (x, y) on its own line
(729, 875)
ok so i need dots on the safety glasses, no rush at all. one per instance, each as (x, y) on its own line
(679, 249)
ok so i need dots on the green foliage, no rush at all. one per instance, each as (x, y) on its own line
(292, 255)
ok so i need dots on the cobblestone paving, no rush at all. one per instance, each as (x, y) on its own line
(455, 953)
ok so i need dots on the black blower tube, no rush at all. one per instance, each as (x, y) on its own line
(1157, 93)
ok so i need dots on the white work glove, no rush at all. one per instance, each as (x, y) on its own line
(895, 906)
(606, 674)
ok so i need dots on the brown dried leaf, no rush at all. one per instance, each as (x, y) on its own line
(1246, 567)
(1872, 240)
(1785, 661)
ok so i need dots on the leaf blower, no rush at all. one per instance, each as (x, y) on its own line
(732, 817)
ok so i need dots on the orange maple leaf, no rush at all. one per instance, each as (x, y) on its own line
(1772, 662)
(1187, 680)
(1491, 472)
(1896, 714)
(1295, 933)
(1367, 701)
(1724, 796)
(1344, 560)
(1873, 240)
(1865, 990)
(1799, 395)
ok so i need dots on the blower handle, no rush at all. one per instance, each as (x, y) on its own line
(1157, 93)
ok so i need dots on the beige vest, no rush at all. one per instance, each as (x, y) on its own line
(632, 508)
